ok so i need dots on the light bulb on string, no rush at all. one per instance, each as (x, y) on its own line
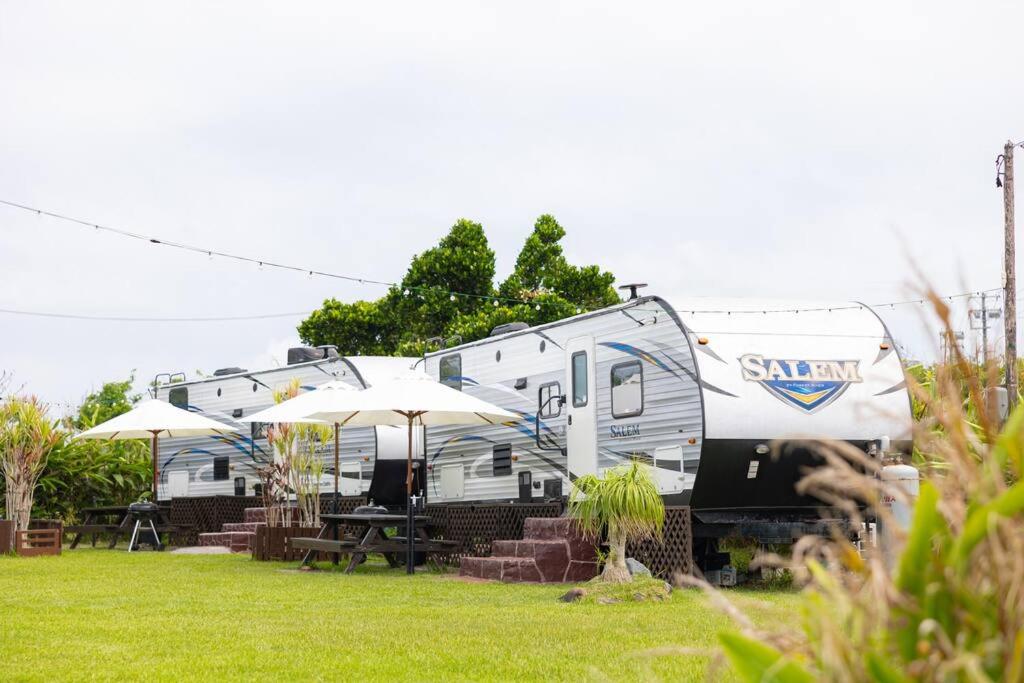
(406, 292)
(495, 302)
(310, 275)
(537, 307)
(451, 298)
(261, 265)
(209, 255)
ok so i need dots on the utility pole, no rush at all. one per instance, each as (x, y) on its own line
(979, 320)
(984, 330)
(1010, 280)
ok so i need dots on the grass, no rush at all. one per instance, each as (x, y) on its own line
(110, 615)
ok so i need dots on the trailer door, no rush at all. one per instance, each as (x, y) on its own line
(581, 404)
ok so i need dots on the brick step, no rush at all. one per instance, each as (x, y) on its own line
(236, 541)
(552, 550)
(242, 526)
(507, 569)
(549, 528)
(255, 515)
(251, 515)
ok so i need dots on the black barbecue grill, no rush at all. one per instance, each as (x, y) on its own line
(144, 514)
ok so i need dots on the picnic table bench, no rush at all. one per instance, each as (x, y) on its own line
(371, 537)
(116, 520)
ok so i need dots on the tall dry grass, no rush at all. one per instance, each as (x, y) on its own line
(950, 605)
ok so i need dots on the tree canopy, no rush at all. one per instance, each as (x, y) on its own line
(448, 292)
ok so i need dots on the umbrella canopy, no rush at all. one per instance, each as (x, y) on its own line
(297, 409)
(155, 417)
(151, 418)
(413, 399)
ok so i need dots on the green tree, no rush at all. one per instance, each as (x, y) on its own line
(358, 328)
(113, 399)
(448, 292)
(85, 473)
(541, 268)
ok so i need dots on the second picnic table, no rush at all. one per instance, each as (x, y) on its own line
(100, 520)
(370, 537)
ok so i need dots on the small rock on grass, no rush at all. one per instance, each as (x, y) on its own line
(637, 568)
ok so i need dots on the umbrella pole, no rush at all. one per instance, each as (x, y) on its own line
(409, 561)
(154, 451)
(337, 434)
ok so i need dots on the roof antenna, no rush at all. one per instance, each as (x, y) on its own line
(633, 287)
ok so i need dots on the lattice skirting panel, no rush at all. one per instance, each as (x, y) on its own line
(208, 514)
(675, 552)
(475, 527)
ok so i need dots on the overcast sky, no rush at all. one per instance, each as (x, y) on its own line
(771, 149)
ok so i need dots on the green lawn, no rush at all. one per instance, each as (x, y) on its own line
(111, 615)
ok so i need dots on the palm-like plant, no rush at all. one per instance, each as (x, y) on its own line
(27, 435)
(626, 502)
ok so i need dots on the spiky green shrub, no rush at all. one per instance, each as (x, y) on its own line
(951, 605)
(27, 435)
(626, 502)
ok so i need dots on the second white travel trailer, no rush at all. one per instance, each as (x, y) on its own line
(227, 465)
(698, 389)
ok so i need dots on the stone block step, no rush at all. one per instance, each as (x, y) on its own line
(506, 569)
(237, 541)
(242, 526)
(540, 529)
(549, 528)
(255, 515)
(551, 557)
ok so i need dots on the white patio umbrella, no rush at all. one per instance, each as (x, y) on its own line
(151, 418)
(412, 400)
(296, 411)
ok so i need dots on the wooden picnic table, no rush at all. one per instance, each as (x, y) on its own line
(370, 537)
(115, 520)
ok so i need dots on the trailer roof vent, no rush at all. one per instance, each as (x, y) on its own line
(508, 327)
(228, 371)
(306, 354)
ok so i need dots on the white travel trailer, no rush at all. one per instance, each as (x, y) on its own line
(700, 390)
(227, 465)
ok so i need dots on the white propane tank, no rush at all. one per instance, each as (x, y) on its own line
(909, 479)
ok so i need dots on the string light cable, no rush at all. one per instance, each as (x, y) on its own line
(407, 291)
(260, 263)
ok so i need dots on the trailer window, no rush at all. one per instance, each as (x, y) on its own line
(627, 389)
(451, 371)
(220, 468)
(502, 460)
(178, 397)
(548, 404)
(579, 379)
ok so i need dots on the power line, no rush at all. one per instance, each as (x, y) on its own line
(293, 314)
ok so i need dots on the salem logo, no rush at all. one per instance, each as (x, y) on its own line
(805, 384)
(625, 431)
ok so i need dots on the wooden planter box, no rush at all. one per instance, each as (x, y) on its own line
(272, 542)
(36, 542)
(6, 536)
